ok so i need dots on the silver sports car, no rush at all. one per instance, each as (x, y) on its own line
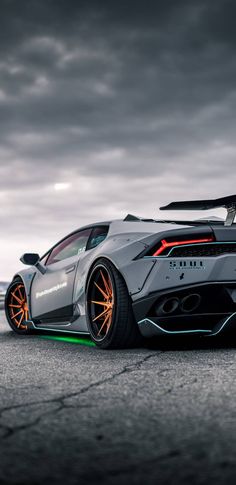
(126, 279)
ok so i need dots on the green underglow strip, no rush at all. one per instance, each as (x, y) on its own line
(71, 340)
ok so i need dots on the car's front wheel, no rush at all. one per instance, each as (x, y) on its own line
(16, 307)
(109, 309)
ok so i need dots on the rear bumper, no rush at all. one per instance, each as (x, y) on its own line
(212, 278)
(207, 309)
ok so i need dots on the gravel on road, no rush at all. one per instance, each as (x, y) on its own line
(73, 414)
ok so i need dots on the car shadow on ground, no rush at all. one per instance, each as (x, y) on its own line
(180, 343)
(163, 343)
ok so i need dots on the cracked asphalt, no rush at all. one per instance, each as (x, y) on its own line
(161, 414)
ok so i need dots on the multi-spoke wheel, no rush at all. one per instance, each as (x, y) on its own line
(16, 306)
(109, 309)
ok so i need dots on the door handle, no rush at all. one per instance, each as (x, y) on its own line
(70, 269)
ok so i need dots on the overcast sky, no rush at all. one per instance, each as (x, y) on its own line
(130, 104)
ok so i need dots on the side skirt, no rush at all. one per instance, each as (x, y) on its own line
(32, 326)
(64, 327)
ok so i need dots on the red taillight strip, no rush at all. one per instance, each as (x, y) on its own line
(165, 244)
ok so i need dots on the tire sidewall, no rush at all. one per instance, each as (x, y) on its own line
(106, 341)
(13, 327)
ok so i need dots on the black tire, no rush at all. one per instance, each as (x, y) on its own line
(121, 328)
(17, 324)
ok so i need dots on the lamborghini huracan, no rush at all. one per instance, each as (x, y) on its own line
(122, 280)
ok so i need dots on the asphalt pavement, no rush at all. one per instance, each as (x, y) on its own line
(73, 414)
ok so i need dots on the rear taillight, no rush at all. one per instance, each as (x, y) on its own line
(169, 244)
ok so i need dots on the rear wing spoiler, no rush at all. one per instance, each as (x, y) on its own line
(229, 203)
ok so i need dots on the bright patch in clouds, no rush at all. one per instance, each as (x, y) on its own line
(62, 186)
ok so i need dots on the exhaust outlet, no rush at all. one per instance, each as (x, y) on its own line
(167, 306)
(190, 302)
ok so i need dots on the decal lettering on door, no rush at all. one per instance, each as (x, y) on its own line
(58, 287)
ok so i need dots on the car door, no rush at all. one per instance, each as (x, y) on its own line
(52, 292)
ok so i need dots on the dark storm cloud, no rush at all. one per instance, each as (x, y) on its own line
(132, 103)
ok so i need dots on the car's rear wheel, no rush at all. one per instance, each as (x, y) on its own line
(16, 307)
(109, 309)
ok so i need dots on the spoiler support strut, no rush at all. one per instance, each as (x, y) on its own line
(231, 212)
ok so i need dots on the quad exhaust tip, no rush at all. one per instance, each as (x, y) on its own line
(167, 306)
(187, 304)
(190, 302)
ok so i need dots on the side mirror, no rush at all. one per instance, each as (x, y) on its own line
(30, 259)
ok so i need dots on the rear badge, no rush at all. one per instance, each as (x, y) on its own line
(193, 264)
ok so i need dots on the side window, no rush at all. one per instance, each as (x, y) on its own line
(44, 258)
(98, 235)
(71, 246)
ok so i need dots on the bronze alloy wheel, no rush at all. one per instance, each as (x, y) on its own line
(101, 304)
(109, 309)
(17, 307)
